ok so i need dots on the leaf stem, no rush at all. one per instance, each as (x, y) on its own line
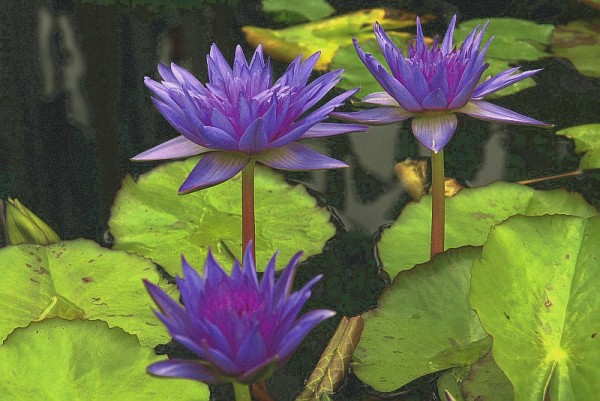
(248, 230)
(242, 392)
(438, 198)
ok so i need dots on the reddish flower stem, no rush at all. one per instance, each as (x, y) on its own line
(438, 198)
(248, 230)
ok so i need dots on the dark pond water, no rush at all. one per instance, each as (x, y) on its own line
(74, 109)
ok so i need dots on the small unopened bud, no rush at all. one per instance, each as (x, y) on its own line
(20, 225)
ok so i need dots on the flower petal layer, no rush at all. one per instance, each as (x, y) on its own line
(434, 132)
(491, 112)
(241, 329)
(212, 169)
(296, 156)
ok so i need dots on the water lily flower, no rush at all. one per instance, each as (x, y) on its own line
(242, 329)
(242, 116)
(434, 83)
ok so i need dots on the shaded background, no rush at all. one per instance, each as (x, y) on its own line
(74, 109)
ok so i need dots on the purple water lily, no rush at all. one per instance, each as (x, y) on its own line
(433, 83)
(241, 115)
(241, 329)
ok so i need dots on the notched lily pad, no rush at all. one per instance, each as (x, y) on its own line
(423, 324)
(328, 35)
(515, 40)
(579, 42)
(149, 218)
(483, 380)
(587, 139)
(78, 280)
(469, 216)
(535, 291)
(80, 360)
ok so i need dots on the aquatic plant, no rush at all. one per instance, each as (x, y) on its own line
(242, 329)
(430, 86)
(241, 116)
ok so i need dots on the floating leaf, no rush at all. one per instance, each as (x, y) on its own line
(515, 40)
(579, 42)
(483, 380)
(535, 290)
(331, 368)
(151, 219)
(293, 12)
(327, 36)
(423, 323)
(486, 381)
(78, 279)
(587, 139)
(469, 216)
(21, 225)
(79, 360)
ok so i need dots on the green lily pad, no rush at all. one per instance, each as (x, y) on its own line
(328, 35)
(78, 280)
(423, 323)
(587, 139)
(152, 220)
(535, 290)
(515, 40)
(483, 380)
(579, 42)
(469, 216)
(486, 381)
(80, 360)
(294, 12)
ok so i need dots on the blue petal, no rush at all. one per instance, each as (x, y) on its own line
(214, 274)
(303, 325)
(284, 284)
(216, 138)
(490, 112)
(378, 116)
(254, 140)
(169, 308)
(434, 132)
(329, 129)
(253, 350)
(184, 369)
(296, 156)
(501, 81)
(177, 120)
(172, 149)
(435, 100)
(249, 268)
(446, 45)
(387, 82)
(212, 169)
(381, 99)
(185, 78)
(190, 288)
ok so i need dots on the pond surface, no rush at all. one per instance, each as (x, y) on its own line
(74, 110)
